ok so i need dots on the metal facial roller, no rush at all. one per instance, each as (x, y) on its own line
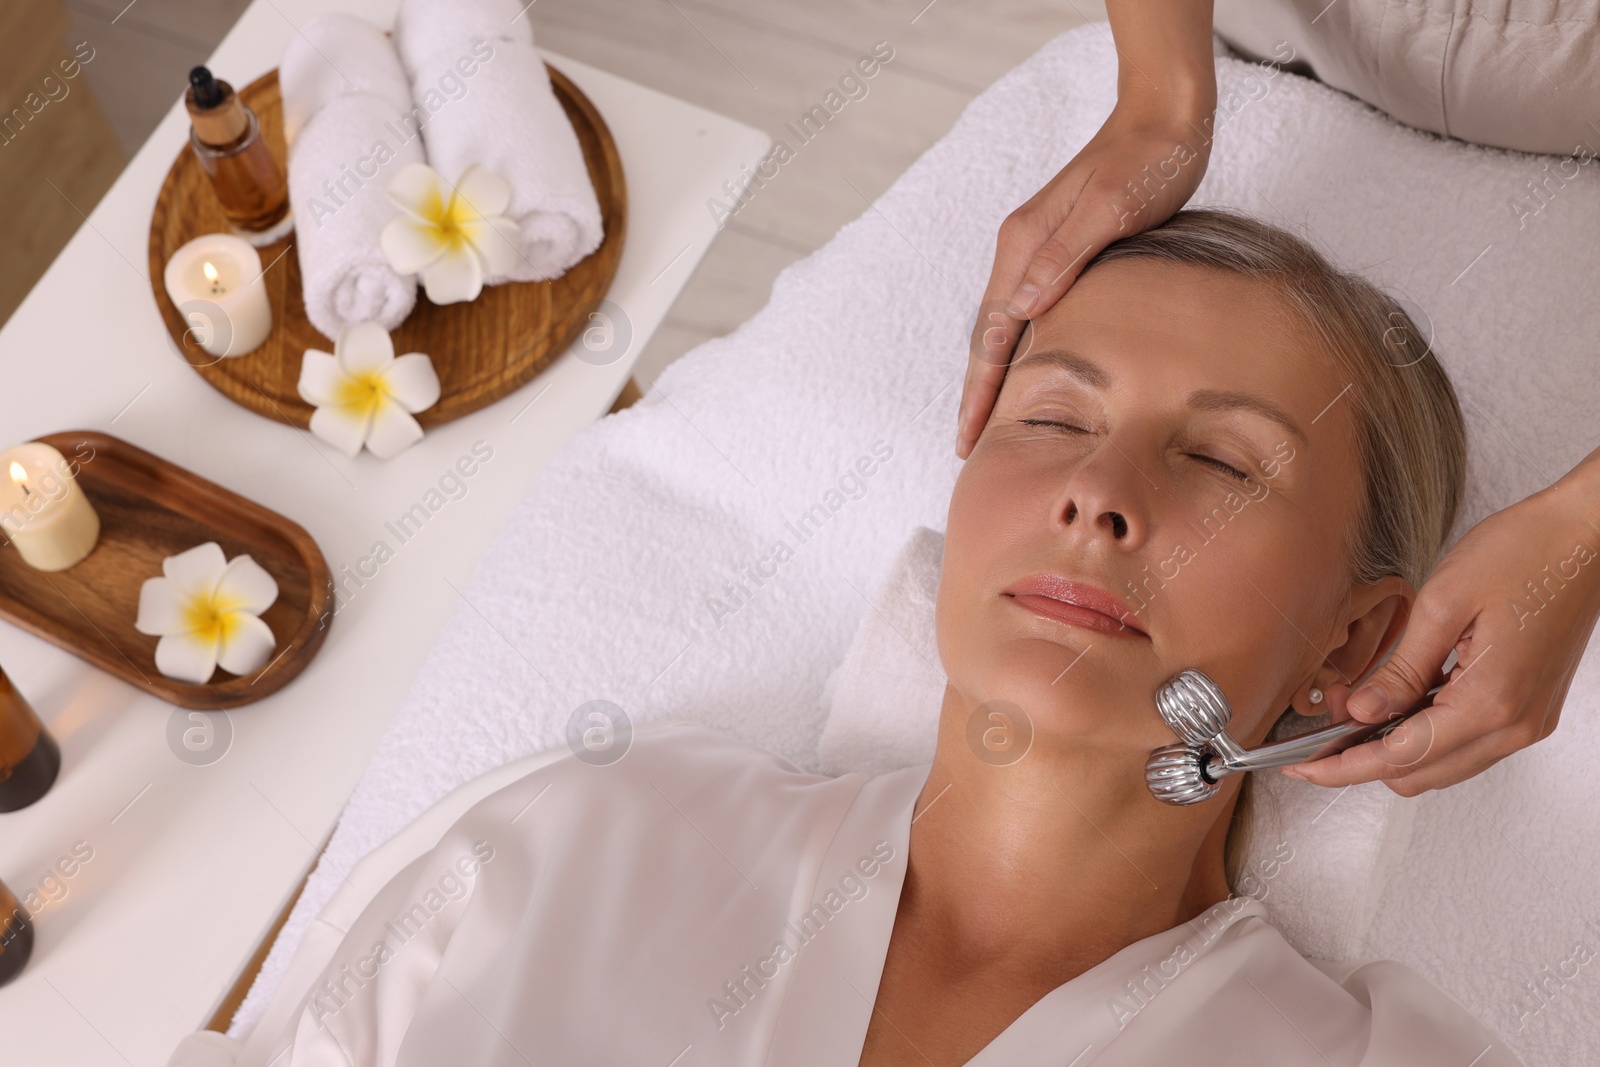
(1189, 771)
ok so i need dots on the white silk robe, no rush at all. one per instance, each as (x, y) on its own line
(701, 901)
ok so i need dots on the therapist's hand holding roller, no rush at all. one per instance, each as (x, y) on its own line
(1516, 598)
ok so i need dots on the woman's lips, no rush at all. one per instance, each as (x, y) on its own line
(1075, 604)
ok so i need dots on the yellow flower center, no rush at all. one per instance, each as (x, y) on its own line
(449, 219)
(213, 618)
(362, 394)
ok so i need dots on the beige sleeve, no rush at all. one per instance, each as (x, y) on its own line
(1493, 72)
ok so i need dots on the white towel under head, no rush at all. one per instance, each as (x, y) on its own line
(506, 119)
(884, 699)
(344, 95)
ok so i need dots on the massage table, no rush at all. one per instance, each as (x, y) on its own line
(643, 566)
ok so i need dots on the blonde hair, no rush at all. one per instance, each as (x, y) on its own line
(1408, 426)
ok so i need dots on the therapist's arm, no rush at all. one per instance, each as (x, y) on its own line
(1140, 168)
(1516, 598)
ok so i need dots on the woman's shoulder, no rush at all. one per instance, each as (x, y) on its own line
(669, 766)
(683, 748)
(667, 797)
(1409, 1011)
(1409, 1019)
(1228, 987)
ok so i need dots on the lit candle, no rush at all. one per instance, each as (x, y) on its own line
(42, 510)
(215, 282)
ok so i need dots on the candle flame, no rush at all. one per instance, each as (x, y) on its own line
(18, 475)
(210, 272)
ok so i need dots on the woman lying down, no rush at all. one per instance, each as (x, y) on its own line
(702, 901)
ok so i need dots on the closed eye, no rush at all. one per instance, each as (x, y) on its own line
(1069, 427)
(1225, 468)
(1217, 464)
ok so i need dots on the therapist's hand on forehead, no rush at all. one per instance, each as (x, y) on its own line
(1141, 167)
(1516, 598)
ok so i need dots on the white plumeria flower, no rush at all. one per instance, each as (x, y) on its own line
(364, 395)
(453, 235)
(205, 611)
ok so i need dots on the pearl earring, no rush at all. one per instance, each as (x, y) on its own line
(1315, 696)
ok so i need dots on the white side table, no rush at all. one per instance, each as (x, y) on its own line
(192, 862)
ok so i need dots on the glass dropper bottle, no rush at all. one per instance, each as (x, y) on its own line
(226, 136)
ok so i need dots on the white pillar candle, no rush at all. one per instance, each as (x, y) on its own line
(42, 510)
(215, 282)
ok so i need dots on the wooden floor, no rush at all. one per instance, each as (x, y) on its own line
(143, 52)
(761, 61)
(765, 62)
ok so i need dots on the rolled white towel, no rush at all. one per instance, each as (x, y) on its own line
(485, 95)
(336, 55)
(454, 23)
(343, 85)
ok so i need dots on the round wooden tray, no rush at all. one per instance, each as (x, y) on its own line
(482, 349)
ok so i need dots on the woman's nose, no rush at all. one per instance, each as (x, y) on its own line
(1102, 500)
(1114, 521)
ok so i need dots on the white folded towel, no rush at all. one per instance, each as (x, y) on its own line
(333, 56)
(503, 116)
(454, 23)
(344, 101)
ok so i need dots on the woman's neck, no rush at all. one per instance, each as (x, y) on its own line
(1054, 862)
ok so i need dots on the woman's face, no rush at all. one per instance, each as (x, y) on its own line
(1169, 479)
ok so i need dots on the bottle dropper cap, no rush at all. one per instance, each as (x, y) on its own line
(218, 116)
(207, 93)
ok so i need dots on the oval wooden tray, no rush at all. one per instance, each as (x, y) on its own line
(483, 349)
(150, 509)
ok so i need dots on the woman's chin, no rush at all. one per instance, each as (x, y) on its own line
(1061, 692)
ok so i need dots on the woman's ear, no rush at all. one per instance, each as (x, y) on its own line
(1376, 617)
